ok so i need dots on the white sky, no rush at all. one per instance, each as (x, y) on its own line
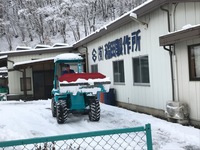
(31, 119)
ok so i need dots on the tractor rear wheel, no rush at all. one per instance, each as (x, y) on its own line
(53, 107)
(94, 112)
(61, 111)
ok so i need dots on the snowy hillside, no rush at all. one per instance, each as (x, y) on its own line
(21, 120)
(30, 22)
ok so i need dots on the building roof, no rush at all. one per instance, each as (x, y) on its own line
(141, 10)
(38, 51)
(179, 36)
(24, 64)
(4, 55)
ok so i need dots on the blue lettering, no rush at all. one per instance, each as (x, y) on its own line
(127, 44)
(109, 50)
(106, 51)
(100, 53)
(124, 45)
(113, 47)
(94, 55)
(118, 47)
(136, 41)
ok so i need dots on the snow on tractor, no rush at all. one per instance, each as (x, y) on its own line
(76, 92)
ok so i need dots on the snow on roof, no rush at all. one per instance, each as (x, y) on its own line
(22, 48)
(32, 61)
(134, 15)
(185, 27)
(41, 46)
(4, 56)
(3, 70)
(60, 44)
(68, 56)
(33, 50)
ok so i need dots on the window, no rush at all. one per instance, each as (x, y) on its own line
(194, 62)
(94, 68)
(141, 70)
(118, 71)
(28, 84)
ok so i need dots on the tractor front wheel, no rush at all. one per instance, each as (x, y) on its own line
(94, 112)
(53, 107)
(61, 111)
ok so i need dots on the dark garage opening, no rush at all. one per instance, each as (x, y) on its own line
(42, 84)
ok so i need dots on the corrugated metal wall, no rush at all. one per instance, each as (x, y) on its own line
(188, 91)
(159, 91)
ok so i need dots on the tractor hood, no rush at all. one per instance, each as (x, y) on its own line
(84, 83)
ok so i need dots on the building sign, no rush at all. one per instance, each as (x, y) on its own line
(122, 46)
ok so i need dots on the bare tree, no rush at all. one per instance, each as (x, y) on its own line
(93, 13)
(1, 18)
(63, 31)
(46, 18)
(8, 34)
(39, 27)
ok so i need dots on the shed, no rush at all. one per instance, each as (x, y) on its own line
(30, 72)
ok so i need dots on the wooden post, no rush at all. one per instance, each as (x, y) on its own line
(24, 83)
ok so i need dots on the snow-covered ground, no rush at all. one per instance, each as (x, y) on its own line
(19, 120)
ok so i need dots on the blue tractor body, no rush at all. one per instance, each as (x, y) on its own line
(76, 93)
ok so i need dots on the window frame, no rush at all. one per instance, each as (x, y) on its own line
(96, 65)
(118, 83)
(192, 77)
(140, 83)
(28, 81)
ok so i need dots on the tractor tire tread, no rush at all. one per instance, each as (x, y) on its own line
(94, 114)
(62, 112)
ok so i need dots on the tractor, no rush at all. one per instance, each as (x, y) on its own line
(76, 92)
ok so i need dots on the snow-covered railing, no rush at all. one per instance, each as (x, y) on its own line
(127, 138)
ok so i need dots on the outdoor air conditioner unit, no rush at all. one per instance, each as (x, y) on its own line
(177, 112)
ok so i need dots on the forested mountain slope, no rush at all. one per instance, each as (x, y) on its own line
(31, 22)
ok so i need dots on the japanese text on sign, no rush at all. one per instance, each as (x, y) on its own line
(117, 47)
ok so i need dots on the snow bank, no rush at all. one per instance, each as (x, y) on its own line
(33, 119)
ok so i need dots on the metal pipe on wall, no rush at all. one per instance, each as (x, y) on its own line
(170, 53)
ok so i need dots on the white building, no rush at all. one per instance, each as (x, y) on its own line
(146, 71)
